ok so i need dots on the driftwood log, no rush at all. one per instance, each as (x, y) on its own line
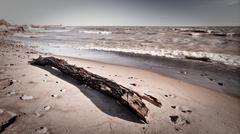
(124, 95)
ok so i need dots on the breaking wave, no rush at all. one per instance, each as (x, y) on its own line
(227, 59)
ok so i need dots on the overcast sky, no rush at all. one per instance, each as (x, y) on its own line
(122, 12)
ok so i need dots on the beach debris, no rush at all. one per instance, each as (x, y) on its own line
(7, 118)
(152, 100)
(204, 59)
(11, 64)
(42, 130)
(26, 97)
(124, 95)
(46, 74)
(46, 108)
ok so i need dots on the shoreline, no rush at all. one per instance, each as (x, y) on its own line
(194, 72)
(78, 109)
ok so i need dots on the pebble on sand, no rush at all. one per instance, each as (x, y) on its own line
(42, 130)
(1, 111)
(62, 90)
(47, 108)
(54, 95)
(26, 97)
(11, 93)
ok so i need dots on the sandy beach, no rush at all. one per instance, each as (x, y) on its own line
(43, 100)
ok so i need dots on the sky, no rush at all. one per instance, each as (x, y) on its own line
(122, 12)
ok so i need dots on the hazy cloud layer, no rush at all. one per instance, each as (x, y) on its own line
(122, 12)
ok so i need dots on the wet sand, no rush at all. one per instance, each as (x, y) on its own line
(46, 101)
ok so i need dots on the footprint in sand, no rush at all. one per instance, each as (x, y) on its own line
(42, 130)
(4, 83)
(182, 109)
(170, 96)
(47, 108)
(62, 90)
(178, 121)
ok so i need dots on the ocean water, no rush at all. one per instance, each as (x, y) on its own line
(204, 56)
(216, 44)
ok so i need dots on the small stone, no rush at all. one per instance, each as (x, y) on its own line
(133, 84)
(25, 97)
(11, 93)
(173, 107)
(38, 114)
(42, 130)
(183, 72)
(13, 81)
(54, 95)
(62, 90)
(220, 84)
(1, 111)
(46, 74)
(47, 108)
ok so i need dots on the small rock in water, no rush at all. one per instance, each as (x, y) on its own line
(25, 97)
(204, 74)
(183, 72)
(47, 108)
(220, 83)
(42, 130)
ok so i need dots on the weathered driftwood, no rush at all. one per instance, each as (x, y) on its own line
(124, 95)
